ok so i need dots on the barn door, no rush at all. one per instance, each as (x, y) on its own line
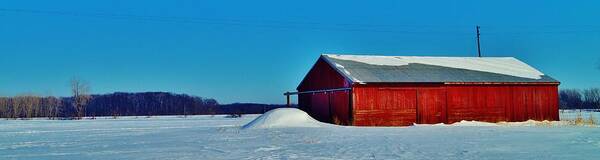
(431, 106)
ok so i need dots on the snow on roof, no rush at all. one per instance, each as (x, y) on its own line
(500, 65)
(507, 66)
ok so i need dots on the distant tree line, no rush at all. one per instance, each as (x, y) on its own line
(82, 104)
(116, 104)
(27, 106)
(580, 99)
(149, 104)
(122, 104)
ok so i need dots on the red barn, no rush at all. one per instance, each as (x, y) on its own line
(366, 90)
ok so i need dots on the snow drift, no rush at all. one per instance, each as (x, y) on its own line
(282, 118)
(528, 123)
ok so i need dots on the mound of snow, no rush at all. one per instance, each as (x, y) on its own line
(284, 117)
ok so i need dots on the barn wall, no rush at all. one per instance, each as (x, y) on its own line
(332, 107)
(431, 105)
(387, 105)
(537, 103)
(502, 102)
(340, 108)
(481, 103)
(405, 104)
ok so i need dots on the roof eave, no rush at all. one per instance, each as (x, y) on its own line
(348, 79)
(332, 65)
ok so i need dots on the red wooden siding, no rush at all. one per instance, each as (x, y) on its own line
(478, 102)
(431, 105)
(384, 106)
(537, 103)
(320, 107)
(322, 76)
(340, 107)
(332, 107)
(402, 104)
(405, 104)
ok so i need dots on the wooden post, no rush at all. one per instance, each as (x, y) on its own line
(287, 94)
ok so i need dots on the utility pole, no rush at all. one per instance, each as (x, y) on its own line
(478, 44)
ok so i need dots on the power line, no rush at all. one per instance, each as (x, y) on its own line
(112, 15)
(541, 32)
(304, 25)
(237, 22)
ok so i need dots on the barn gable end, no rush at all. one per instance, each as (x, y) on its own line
(326, 106)
(323, 76)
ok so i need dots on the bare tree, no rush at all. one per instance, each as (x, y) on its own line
(53, 107)
(80, 91)
(17, 107)
(30, 103)
(570, 99)
(3, 107)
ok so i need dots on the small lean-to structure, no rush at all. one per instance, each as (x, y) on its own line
(365, 90)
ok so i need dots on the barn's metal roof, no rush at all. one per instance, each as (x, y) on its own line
(366, 69)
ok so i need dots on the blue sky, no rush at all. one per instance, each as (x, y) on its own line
(252, 51)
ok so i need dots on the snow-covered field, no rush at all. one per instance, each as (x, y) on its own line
(206, 137)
